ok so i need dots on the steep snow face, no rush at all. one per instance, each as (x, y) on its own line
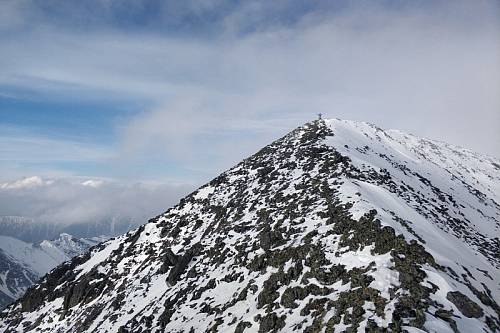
(449, 187)
(40, 257)
(22, 264)
(15, 278)
(336, 226)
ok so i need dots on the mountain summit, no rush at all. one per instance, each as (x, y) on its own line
(338, 226)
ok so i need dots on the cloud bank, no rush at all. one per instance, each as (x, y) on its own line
(65, 202)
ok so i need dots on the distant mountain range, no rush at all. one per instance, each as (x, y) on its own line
(30, 248)
(22, 263)
(32, 230)
(64, 217)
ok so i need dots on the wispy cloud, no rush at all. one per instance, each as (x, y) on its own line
(432, 74)
(18, 144)
(431, 69)
(23, 153)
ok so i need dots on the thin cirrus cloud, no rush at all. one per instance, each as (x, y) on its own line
(18, 145)
(214, 97)
(23, 153)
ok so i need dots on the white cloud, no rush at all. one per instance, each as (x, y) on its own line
(67, 201)
(92, 183)
(28, 182)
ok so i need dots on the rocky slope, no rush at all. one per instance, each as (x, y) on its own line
(22, 264)
(338, 226)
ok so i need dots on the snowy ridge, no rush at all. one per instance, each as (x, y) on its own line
(465, 184)
(337, 226)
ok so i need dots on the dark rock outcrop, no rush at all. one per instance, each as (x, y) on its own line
(465, 305)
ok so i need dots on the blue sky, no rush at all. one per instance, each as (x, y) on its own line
(177, 91)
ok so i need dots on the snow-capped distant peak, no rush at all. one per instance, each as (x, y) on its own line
(22, 263)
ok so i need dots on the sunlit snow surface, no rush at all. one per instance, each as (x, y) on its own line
(444, 197)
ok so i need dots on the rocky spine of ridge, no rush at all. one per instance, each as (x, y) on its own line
(276, 244)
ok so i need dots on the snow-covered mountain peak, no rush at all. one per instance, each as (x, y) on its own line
(336, 226)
